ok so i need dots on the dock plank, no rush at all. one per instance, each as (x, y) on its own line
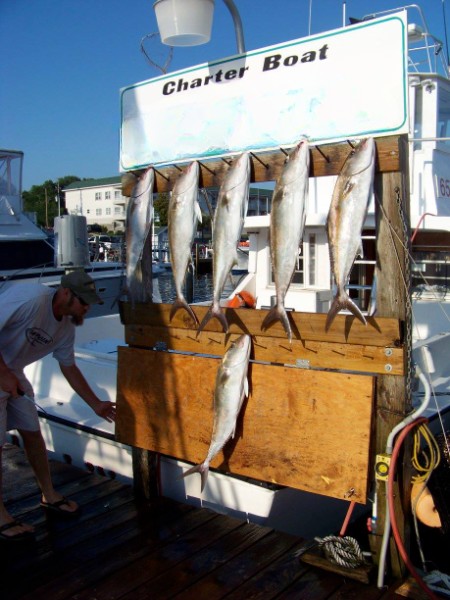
(200, 564)
(123, 549)
(234, 568)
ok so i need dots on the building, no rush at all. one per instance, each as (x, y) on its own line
(102, 203)
(99, 200)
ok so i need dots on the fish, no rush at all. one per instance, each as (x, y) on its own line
(231, 388)
(348, 209)
(183, 214)
(231, 209)
(138, 241)
(287, 223)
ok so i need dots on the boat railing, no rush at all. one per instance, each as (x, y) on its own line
(430, 272)
(424, 48)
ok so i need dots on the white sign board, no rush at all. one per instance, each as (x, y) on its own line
(342, 84)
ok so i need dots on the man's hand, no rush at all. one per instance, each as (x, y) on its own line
(9, 382)
(105, 409)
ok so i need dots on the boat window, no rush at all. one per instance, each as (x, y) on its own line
(418, 126)
(444, 114)
(259, 202)
(299, 273)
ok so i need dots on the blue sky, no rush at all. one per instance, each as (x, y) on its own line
(65, 61)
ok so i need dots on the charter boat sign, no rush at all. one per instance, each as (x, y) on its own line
(343, 84)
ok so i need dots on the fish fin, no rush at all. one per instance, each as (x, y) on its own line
(181, 303)
(204, 475)
(202, 468)
(340, 302)
(198, 212)
(349, 185)
(360, 252)
(246, 387)
(278, 313)
(373, 296)
(214, 311)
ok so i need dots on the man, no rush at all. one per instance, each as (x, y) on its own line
(34, 321)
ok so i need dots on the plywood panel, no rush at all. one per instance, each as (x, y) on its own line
(301, 428)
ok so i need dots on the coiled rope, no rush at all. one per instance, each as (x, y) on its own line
(343, 551)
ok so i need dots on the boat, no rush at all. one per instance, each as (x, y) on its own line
(76, 436)
(29, 254)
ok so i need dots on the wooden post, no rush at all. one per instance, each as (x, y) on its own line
(145, 474)
(393, 398)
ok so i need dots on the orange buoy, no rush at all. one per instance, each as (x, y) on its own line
(242, 299)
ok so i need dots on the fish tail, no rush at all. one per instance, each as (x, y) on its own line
(181, 303)
(139, 286)
(202, 468)
(214, 311)
(278, 313)
(340, 302)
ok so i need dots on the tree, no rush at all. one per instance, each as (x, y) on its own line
(43, 199)
(161, 206)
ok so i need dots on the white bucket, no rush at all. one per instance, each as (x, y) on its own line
(184, 22)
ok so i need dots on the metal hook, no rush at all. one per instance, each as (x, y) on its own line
(162, 175)
(327, 158)
(259, 160)
(207, 168)
(351, 492)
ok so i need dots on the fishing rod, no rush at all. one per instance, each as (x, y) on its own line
(445, 33)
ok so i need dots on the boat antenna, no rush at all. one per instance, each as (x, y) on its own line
(445, 32)
(310, 17)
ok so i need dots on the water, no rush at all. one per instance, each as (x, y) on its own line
(203, 287)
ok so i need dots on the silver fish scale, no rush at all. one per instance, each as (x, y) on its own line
(229, 393)
(348, 211)
(138, 225)
(182, 220)
(229, 218)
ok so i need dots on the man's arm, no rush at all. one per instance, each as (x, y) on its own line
(102, 408)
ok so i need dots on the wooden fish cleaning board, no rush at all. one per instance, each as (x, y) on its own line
(308, 422)
(307, 428)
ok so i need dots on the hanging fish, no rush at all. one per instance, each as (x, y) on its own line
(138, 241)
(229, 218)
(345, 222)
(230, 390)
(183, 215)
(287, 222)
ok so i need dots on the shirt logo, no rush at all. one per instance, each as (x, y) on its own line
(37, 336)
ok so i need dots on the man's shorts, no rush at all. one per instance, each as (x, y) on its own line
(17, 413)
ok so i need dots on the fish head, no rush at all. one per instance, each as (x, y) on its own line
(297, 163)
(239, 172)
(362, 157)
(239, 351)
(187, 179)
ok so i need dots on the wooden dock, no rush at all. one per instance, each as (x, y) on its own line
(118, 549)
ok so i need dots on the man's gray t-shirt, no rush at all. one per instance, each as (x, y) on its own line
(29, 330)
